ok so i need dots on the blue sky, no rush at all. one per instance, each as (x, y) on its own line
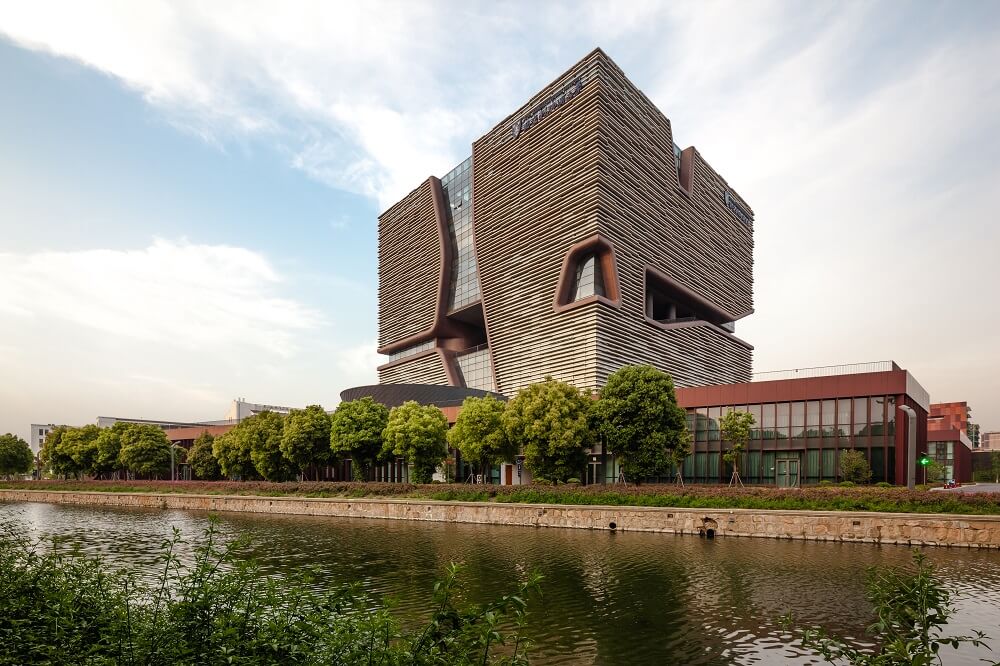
(189, 191)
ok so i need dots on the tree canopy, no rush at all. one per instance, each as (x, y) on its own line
(80, 444)
(356, 431)
(109, 448)
(550, 420)
(145, 450)
(479, 434)
(640, 420)
(734, 428)
(305, 439)
(262, 434)
(417, 433)
(202, 460)
(854, 467)
(15, 455)
(233, 455)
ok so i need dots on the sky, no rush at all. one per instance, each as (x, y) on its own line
(189, 191)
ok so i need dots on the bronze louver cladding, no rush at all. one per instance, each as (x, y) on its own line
(585, 171)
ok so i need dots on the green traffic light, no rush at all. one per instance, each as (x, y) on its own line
(924, 460)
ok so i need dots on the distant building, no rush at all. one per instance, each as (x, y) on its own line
(182, 433)
(974, 435)
(948, 440)
(39, 431)
(241, 409)
(989, 441)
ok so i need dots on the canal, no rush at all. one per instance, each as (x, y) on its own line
(608, 598)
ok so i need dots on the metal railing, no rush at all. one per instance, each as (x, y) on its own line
(826, 371)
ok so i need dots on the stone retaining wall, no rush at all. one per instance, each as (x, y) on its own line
(865, 527)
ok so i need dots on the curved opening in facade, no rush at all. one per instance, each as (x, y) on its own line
(589, 273)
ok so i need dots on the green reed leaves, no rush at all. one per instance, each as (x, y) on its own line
(59, 606)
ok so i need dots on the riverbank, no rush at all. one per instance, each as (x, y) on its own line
(810, 498)
(969, 531)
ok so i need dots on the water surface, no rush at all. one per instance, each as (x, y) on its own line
(608, 598)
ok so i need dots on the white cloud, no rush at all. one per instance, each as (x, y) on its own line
(864, 136)
(197, 297)
(359, 363)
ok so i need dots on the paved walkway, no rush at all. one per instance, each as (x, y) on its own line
(978, 488)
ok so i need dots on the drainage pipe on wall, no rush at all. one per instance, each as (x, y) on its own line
(911, 447)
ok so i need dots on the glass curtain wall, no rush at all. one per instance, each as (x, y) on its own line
(812, 431)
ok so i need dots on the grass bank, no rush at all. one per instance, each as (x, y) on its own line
(885, 500)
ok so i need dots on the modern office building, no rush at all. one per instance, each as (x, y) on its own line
(805, 418)
(576, 239)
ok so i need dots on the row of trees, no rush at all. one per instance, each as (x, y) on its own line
(15, 456)
(137, 448)
(551, 423)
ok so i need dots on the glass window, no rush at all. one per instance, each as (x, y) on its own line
(812, 414)
(829, 464)
(798, 414)
(861, 416)
(829, 415)
(844, 416)
(589, 279)
(755, 410)
(477, 371)
(877, 416)
(782, 415)
(767, 416)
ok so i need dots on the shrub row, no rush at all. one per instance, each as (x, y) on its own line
(814, 498)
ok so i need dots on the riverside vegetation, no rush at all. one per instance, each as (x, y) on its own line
(815, 498)
(59, 607)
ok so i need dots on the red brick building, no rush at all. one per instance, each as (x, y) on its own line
(948, 440)
(806, 418)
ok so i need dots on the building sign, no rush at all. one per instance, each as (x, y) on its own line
(571, 90)
(520, 462)
(738, 210)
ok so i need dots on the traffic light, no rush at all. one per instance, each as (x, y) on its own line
(924, 459)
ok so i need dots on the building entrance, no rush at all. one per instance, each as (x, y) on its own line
(787, 473)
(595, 470)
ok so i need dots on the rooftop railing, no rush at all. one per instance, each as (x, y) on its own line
(826, 371)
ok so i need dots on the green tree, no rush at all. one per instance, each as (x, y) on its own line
(54, 457)
(109, 448)
(15, 456)
(934, 472)
(734, 428)
(418, 434)
(550, 420)
(49, 456)
(80, 444)
(995, 465)
(356, 432)
(479, 433)
(145, 450)
(305, 439)
(640, 420)
(262, 433)
(680, 453)
(202, 460)
(233, 454)
(854, 467)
